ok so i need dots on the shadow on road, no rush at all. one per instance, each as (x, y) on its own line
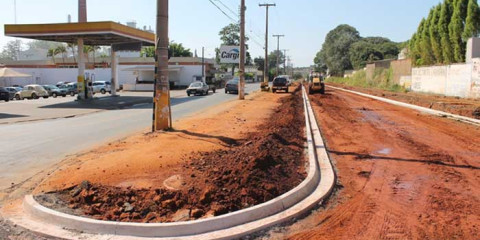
(6, 115)
(373, 157)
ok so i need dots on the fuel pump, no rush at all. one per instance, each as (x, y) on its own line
(88, 85)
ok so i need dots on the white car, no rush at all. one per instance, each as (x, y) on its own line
(102, 87)
(32, 92)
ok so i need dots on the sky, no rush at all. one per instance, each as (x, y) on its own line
(196, 23)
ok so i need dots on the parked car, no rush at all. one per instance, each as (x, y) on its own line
(280, 83)
(71, 88)
(54, 91)
(32, 92)
(102, 87)
(59, 84)
(4, 94)
(198, 88)
(12, 91)
(232, 85)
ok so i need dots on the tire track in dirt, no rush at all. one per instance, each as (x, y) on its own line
(405, 175)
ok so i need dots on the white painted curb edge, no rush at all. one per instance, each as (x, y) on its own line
(286, 207)
(415, 107)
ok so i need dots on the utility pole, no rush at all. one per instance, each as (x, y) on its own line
(285, 61)
(265, 69)
(241, 86)
(203, 64)
(162, 118)
(278, 51)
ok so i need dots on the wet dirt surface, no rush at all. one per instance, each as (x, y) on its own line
(264, 165)
(460, 106)
(401, 174)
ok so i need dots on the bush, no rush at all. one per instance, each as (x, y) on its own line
(382, 79)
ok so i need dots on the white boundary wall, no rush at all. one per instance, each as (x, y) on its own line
(459, 80)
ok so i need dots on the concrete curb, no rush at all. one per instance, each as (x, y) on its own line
(415, 107)
(318, 185)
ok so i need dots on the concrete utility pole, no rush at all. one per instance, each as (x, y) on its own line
(162, 118)
(285, 61)
(278, 51)
(265, 69)
(203, 65)
(82, 18)
(241, 86)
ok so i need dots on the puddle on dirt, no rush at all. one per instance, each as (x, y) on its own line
(384, 151)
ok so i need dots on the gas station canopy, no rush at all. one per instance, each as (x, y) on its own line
(92, 33)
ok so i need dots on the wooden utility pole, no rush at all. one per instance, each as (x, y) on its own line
(241, 86)
(162, 118)
(278, 52)
(265, 69)
(285, 61)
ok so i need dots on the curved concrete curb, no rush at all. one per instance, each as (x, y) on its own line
(318, 185)
(415, 107)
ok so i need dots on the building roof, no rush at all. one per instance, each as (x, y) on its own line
(191, 60)
(93, 33)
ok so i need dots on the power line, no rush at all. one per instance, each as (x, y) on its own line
(234, 13)
(224, 13)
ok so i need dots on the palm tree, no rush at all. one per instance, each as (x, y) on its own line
(51, 53)
(61, 50)
(72, 46)
(87, 50)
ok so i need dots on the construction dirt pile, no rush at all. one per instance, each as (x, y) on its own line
(266, 164)
(460, 106)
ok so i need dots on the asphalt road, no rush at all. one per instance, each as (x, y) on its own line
(28, 148)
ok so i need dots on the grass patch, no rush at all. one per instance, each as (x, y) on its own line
(382, 79)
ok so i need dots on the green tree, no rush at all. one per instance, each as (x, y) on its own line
(426, 52)
(52, 52)
(472, 22)
(259, 63)
(178, 50)
(72, 47)
(362, 52)
(455, 29)
(320, 64)
(417, 45)
(443, 30)
(335, 50)
(435, 38)
(61, 49)
(11, 50)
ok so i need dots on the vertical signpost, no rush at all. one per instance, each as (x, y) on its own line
(162, 111)
(241, 86)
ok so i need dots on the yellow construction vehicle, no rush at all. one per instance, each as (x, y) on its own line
(315, 83)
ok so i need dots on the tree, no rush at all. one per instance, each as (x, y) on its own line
(455, 29)
(417, 47)
(435, 39)
(362, 52)
(61, 49)
(11, 50)
(230, 36)
(52, 53)
(72, 47)
(443, 30)
(260, 63)
(426, 52)
(335, 50)
(320, 64)
(472, 22)
(177, 50)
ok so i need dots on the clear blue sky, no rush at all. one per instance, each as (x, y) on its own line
(196, 23)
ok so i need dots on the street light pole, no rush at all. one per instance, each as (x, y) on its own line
(241, 86)
(278, 51)
(265, 69)
(162, 118)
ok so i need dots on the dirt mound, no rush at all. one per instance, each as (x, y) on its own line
(270, 162)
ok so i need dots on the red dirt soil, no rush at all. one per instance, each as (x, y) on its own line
(401, 174)
(460, 106)
(268, 163)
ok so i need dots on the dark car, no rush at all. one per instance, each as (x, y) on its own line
(280, 84)
(54, 91)
(12, 91)
(71, 89)
(4, 94)
(232, 86)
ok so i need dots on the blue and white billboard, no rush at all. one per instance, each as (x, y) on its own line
(230, 54)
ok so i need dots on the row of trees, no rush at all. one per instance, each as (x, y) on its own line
(345, 49)
(174, 50)
(441, 37)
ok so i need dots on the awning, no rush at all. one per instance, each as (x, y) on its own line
(93, 33)
(9, 73)
(151, 69)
